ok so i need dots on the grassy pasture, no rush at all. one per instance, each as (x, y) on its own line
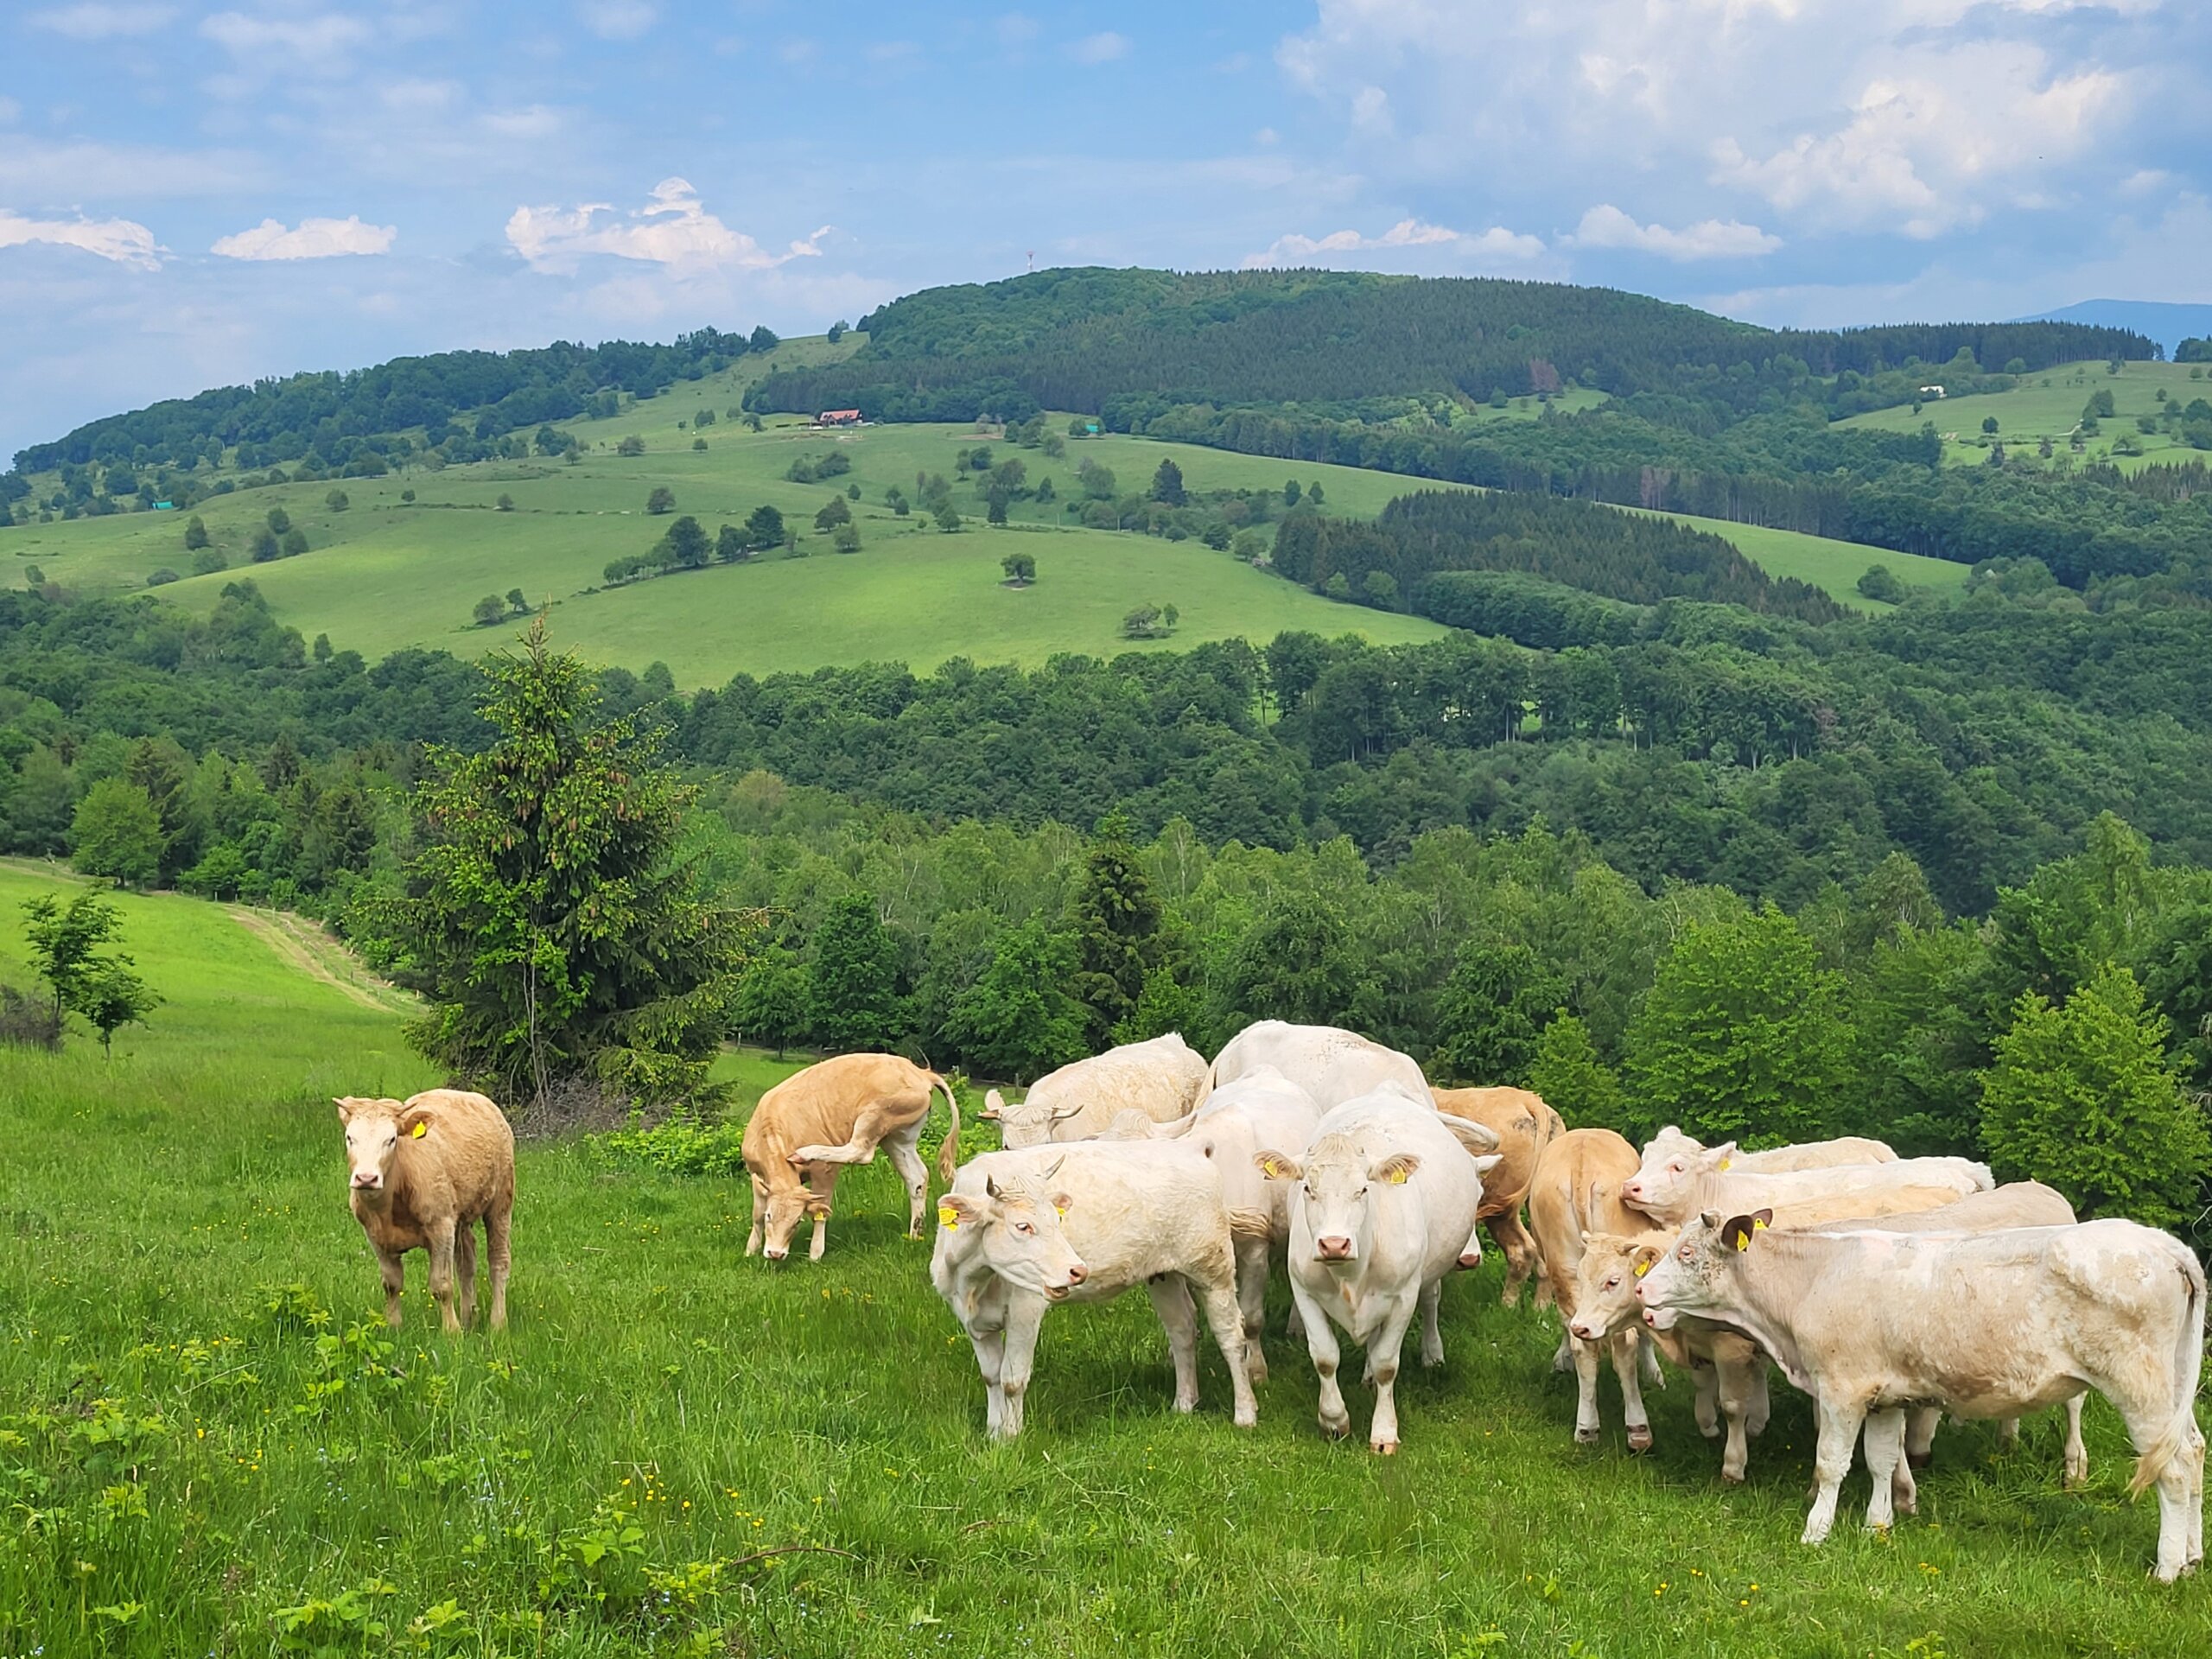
(205, 1448)
(2050, 404)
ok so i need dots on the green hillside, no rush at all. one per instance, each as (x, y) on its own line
(2050, 405)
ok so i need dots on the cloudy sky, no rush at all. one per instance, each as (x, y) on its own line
(191, 196)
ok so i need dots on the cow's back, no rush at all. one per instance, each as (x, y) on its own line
(1332, 1064)
(2019, 1203)
(1139, 1207)
(468, 1159)
(819, 1105)
(1163, 1078)
(1524, 1125)
(1817, 1154)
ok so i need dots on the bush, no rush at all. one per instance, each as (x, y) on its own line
(294, 543)
(162, 578)
(846, 538)
(264, 547)
(632, 445)
(506, 504)
(337, 501)
(490, 611)
(835, 464)
(28, 1022)
(207, 561)
(1882, 583)
(662, 499)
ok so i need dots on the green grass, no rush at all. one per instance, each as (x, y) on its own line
(1830, 565)
(179, 1469)
(2049, 405)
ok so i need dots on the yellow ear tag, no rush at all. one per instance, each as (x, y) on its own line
(420, 1130)
(1060, 1211)
(948, 1217)
(1724, 1162)
(1643, 1268)
(1757, 1224)
(1744, 1242)
(1397, 1178)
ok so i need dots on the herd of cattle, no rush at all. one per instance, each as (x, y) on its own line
(1890, 1290)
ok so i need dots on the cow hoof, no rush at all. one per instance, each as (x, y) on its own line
(1383, 1448)
(1735, 1480)
(1639, 1439)
(1336, 1431)
(1585, 1436)
(1257, 1373)
(1711, 1433)
(1921, 1460)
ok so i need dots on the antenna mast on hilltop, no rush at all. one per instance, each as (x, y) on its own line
(1032, 265)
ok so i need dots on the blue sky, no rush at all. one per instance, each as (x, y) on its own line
(194, 194)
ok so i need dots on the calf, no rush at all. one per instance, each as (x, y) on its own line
(1384, 1207)
(816, 1122)
(425, 1171)
(1024, 1230)
(1330, 1064)
(1711, 1180)
(1577, 1192)
(1163, 1079)
(1670, 1143)
(1524, 1126)
(1985, 1325)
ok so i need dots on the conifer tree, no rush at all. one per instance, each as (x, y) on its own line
(1117, 918)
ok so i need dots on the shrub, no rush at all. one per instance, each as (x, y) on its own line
(337, 501)
(661, 499)
(632, 445)
(207, 561)
(162, 578)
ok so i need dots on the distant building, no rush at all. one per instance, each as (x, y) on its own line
(838, 417)
(1931, 391)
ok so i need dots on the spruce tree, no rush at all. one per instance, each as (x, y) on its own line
(1117, 918)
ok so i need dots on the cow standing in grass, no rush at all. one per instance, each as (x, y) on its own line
(818, 1121)
(425, 1171)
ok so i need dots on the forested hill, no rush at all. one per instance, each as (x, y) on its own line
(496, 392)
(1079, 339)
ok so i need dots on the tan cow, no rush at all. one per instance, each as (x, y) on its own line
(1577, 1191)
(1163, 1079)
(425, 1171)
(1524, 1126)
(816, 1122)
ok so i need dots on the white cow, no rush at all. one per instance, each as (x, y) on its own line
(1330, 1064)
(1986, 1324)
(1023, 1231)
(1383, 1206)
(1711, 1180)
(1671, 1143)
(1163, 1079)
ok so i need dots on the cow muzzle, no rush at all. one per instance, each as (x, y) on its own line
(367, 1181)
(1633, 1191)
(1334, 1248)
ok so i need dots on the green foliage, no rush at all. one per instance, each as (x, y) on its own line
(1881, 583)
(1565, 1069)
(853, 999)
(195, 534)
(117, 833)
(491, 610)
(1167, 485)
(947, 517)
(834, 512)
(764, 529)
(770, 1004)
(64, 941)
(1118, 942)
(1020, 568)
(1492, 1013)
(1744, 1035)
(1297, 963)
(632, 445)
(846, 538)
(548, 919)
(660, 499)
(2083, 1097)
(1016, 1022)
(337, 501)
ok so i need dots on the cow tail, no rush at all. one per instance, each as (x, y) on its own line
(948, 1155)
(1250, 1224)
(2189, 1364)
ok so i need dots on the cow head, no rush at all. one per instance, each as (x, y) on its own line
(787, 1205)
(1337, 1182)
(1027, 1122)
(1606, 1281)
(1672, 1172)
(1015, 1224)
(374, 1128)
(1695, 1274)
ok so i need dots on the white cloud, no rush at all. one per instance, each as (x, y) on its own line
(1607, 226)
(617, 19)
(1492, 247)
(316, 239)
(320, 42)
(122, 240)
(673, 230)
(1102, 48)
(101, 22)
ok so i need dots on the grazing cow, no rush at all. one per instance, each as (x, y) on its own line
(815, 1122)
(1670, 1143)
(1382, 1209)
(1577, 1191)
(1331, 1064)
(426, 1170)
(1024, 1230)
(1163, 1079)
(1985, 1325)
(1710, 1180)
(1524, 1126)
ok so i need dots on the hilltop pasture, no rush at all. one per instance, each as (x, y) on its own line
(210, 1445)
(2049, 405)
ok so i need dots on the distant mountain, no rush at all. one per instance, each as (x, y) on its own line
(2166, 322)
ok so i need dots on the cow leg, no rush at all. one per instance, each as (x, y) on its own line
(1252, 1304)
(498, 1256)
(2181, 1483)
(1384, 1350)
(822, 1187)
(1519, 1250)
(1226, 1319)
(1839, 1422)
(1628, 1349)
(870, 1128)
(1707, 1376)
(1432, 1339)
(464, 1271)
(1024, 1314)
(1321, 1348)
(2008, 1433)
(391, 1267)
(987, 1336)
(2077, 1455)
(907, 1161)
(1885, 1463)
(1649, 1352)
(759, 1218)
(1740, 1388)
(1586, 1420)
(1762, 1401)
(440, 1236)
(1171, 1299)
(1920, 1433)
(1563, 1356)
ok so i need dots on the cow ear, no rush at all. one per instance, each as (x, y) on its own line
(1723, 1154)
(1395, 1168)
(1275, 1166)
(992, 1101)
(1646, 1257)
(1735, 1232)
(1488, 1162)
(414, 1121)
(1762, 1218)
(1709, 1219)
(344, 1105)
(956, 1210)
(1062, 1202)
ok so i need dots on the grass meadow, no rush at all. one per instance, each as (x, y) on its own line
(210, 1446)
(2049, 405)
(386, 572)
